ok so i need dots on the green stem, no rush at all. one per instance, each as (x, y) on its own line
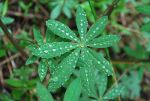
(14, 43)
(93, 11)
(107, 13)
(110, 9)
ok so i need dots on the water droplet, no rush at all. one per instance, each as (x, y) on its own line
(103, 66)
(71, 46)
(50, 45)
(94, 44)
(71, 36)
(53, 50)
(97, 28)
(67, 34)
(55, 79)
(45, 51)
(75, 39)
(99, 62)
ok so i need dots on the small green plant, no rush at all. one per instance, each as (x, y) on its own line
(132, 84)
(144, 9)
(20, 84)
(75, 57)
(62, 6)
(7, 21)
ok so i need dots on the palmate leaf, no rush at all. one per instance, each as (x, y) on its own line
(81, 21)
(64, 70)
(43, 93)
(104, 41)
(88, 80)
(144, 9)
(42, 69)
(101, 83)
(50, 50)
(73, 91)
(97, 28)
(61, 30)
(114, 92)
(37, 35)
(31, 59)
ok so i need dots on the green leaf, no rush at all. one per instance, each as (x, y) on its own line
(5, 97)
(144, 9)
(61, 30)
(43, 93)
(64, 70)
(97, 28)
(104, 41)
(15, 82)
(50, 50)
(37, 35)
(81, 21)
(52, 66)
(42, 69)
(2, 53)
(56, 12)
(5, 8)
(114, 92)
(50, 37)
(137, 52)
(132, 84)
(32, 47)
(146, 27)
(7, 20)
(73, 91)
(87, 76)
(1, 32)
(98, 61)
(31, 59)
(67, 11)
(101, 61)
(101, 83)
(1, 7)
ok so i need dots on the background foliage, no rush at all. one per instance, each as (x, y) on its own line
(25, 20)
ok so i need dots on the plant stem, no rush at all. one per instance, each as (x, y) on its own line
(93, 11)
(107, 13)
(110, 9)
(4, 28)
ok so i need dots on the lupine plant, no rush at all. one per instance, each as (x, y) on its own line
(74, 60)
